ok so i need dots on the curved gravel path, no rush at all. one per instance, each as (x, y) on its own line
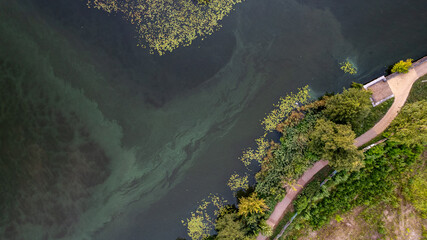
(400, 85)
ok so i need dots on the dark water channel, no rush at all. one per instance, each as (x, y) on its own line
(101, 140)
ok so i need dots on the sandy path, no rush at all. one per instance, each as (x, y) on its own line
(400, 85)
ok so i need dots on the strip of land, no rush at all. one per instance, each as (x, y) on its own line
(400, 85)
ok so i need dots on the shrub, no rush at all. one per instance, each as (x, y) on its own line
(266, 229)
(402, 66)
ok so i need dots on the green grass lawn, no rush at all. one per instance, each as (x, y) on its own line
(418, 91)
(374, 116)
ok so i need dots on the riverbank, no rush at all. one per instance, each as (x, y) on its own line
(401, 85)
(323, 129)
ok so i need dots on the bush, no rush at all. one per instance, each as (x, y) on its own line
(266, 229)
(351, 106)
(410, 126)
(402, 66)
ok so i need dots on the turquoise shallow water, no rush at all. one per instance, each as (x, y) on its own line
(100, 140)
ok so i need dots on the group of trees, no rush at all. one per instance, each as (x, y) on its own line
(324, 130)
(333, 136)
(244, 222)
(393, 166)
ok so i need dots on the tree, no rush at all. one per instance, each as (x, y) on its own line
(402, 66)
(335, 142)
(350, 106)
(229, 227)
(410, 125)
(251, 205)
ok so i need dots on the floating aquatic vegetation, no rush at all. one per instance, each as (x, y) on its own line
(258, 154)
(201, 223)
(348, 67)
(164, 25)
(284, 107)
(237, 182)
(270, 122)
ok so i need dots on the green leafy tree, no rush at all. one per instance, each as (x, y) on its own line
(356, 85)
(402, 66)
(251, 205)
(351, 106)
(410, 126)
(229, 226)
(335, 143)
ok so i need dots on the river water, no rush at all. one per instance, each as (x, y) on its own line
(101, 140)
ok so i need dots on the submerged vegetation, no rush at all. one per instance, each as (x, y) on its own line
(165, 25)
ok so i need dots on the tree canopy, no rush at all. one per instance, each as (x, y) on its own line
(229, 227)
(252, 204)
(335, 143)
(350, 106)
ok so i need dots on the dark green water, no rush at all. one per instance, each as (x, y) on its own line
(100, 140)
